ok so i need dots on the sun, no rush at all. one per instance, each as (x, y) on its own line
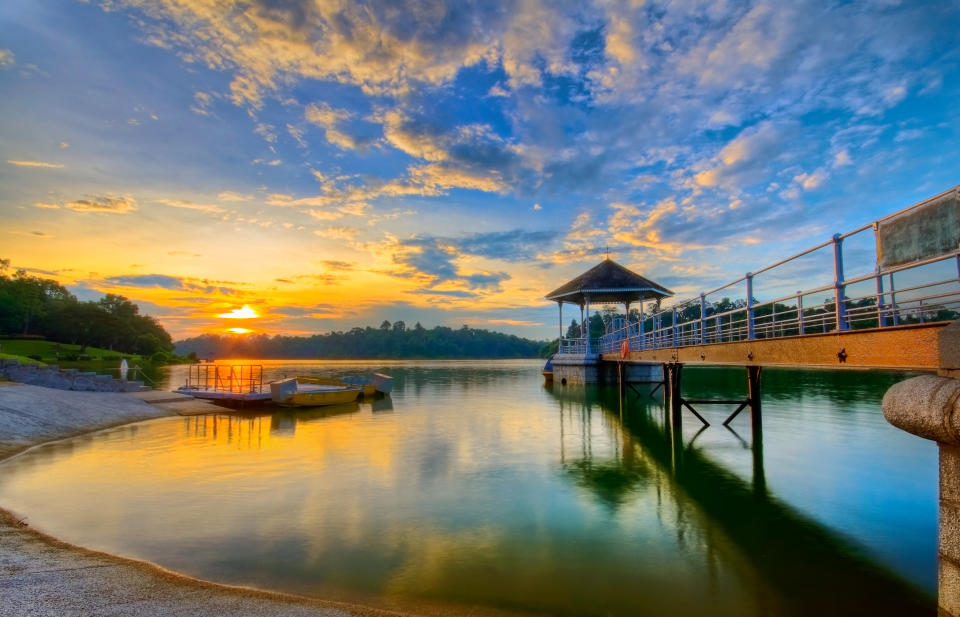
(242, 313)
(239, 330)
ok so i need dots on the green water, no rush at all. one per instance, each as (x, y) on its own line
(477, 487)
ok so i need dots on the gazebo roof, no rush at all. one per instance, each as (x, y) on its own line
(608, 283)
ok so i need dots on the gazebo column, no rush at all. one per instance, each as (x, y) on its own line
(581, 321)
(642, 318)
(560, 304)
(626, 320)
(586, 324)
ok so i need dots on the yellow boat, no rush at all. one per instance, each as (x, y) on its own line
(366, 388)
(306, 392)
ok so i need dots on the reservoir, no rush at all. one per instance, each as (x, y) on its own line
(477, 489)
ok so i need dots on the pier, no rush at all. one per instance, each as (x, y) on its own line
(888, 298)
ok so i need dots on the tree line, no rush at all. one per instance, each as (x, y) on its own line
(36, 307)
(391, 340)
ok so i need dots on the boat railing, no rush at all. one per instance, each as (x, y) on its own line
(237, 379)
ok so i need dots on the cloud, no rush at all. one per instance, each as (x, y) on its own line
(33, 234)
(514, 322)
(267, 131)
(191, 205)
(440, 262)
(233, 196)
(203, 103)
(746, 158)
(148, 280)
(103, 205)
(34, 164)
(338, 233)
(206, 287)
(7, 59)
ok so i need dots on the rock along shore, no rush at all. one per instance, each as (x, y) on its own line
(42, 576)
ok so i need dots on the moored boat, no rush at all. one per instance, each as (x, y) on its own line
(548, 370)
(383, 383)
(307, 392)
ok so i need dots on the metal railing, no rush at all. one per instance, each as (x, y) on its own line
(579, 346)
(237, 379)
(928, 291)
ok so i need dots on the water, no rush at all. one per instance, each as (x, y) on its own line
(476, 487)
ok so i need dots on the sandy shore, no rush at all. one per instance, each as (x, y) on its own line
(40, 575)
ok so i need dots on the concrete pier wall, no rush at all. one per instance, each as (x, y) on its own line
(64, 379)
(581, 370)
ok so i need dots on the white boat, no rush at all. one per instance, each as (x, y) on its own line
(383, 383)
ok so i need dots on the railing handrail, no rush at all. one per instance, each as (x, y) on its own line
(881, 307)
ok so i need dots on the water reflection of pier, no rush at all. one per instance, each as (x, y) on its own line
(811, 569)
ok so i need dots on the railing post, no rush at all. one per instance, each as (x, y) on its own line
(840, 296)
(751, 333)
(703, 319)
(673, 328)
(799, 312)
(893, 303)
(643, 344)
(881, 315)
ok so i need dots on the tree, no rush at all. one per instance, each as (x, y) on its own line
(574, 330)
(399, 326)
(385, 325)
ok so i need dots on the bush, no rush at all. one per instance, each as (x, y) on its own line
(36, 357)
(160, 357)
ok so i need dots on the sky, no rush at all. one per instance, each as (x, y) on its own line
(333, 164)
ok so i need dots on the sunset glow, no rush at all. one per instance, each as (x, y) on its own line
(238, 330)
(241, 313)
(330, 165)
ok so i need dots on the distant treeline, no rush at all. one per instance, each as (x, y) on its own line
(32, 306)
(388, 341)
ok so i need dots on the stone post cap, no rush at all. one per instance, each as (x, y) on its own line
(927, 406)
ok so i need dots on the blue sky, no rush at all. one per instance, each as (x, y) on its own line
(336, 164)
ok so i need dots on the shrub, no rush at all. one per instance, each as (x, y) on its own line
(36, 357)
(160, 357)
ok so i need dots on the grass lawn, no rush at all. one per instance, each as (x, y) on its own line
(51, 352)
(23, 359)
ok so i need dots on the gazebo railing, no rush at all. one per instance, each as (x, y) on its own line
(578, 346)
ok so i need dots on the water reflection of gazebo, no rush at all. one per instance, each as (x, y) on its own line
(606, 283)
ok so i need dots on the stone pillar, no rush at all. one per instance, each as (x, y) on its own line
(929, 406)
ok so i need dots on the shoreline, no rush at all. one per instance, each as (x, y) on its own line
(44, 575)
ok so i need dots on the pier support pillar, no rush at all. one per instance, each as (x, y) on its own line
(673, 373)
(756, 428)
(929, 406)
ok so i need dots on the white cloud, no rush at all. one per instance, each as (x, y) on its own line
(34, 164)
(103, 205)
(191, 205)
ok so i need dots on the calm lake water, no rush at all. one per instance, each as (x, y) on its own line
(477, 487)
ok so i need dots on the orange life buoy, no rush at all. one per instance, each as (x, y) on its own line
(624, 349)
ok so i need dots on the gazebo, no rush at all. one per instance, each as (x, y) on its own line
(606, 283)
